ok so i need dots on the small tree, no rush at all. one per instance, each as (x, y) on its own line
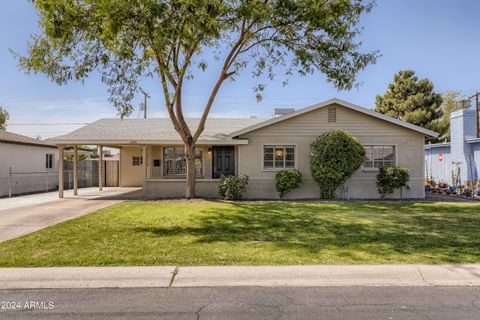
(334, 158)
(4, 116)
(391, 178)
(287, 180)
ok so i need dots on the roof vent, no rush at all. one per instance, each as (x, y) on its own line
(277, 112)
(332, 114)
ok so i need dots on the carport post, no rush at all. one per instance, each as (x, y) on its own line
(75, 170)
(100, 168)
(60, 171)
(144, 162)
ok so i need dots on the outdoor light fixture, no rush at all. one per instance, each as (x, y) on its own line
(209, 150)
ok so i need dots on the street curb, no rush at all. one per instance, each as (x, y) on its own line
(231, 276)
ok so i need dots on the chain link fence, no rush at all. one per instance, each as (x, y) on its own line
(24, 182)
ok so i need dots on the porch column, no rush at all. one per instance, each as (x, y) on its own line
(100, 168)
(60, 171)
(75, 170)
(144, 162)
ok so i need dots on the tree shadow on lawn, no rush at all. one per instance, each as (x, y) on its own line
(446, 232)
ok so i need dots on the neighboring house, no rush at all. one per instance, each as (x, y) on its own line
(461, 154)
(152, 154)
(33, 163)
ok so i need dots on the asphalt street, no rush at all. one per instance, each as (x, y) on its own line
(363, 303)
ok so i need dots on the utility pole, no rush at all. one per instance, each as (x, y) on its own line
(477, 114)
(477, 111)
(145, 97)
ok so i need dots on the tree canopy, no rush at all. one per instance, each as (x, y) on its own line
(412, 100)
(127, 40)
(4, 116)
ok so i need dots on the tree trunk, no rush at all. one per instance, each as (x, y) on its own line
(190, 187)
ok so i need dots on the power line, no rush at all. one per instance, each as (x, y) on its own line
(48, 124)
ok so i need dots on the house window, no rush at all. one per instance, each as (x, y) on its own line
(175, 161)
(137, 161)
(332, 114)
(49, 160)
(278, 157)
(379, 156)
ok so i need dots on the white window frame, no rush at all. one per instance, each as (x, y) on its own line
(395, 155)
(279, 145)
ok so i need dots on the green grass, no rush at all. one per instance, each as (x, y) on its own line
(255, 233)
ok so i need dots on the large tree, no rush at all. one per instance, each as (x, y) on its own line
(4, 116)
(126, 40)
(412, 100)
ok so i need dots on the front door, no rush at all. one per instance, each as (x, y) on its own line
(223, 161)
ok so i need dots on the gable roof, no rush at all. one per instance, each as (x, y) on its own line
(153, 130)
(13, 138)
(339, 102)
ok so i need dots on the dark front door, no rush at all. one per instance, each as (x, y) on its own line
(223, 161)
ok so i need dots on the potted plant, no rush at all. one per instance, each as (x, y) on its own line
(477, 188)
(427, 186)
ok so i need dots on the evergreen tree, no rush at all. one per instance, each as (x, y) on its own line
(412, 100)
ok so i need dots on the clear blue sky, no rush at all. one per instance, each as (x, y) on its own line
(439, 39)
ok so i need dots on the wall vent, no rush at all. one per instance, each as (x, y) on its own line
(332, 114)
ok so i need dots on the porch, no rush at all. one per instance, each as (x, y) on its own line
(161, 169)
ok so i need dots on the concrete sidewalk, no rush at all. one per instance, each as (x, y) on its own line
(26, 214)
(292, 276)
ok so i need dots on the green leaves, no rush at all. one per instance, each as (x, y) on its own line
(129, 39)
(4, 116)
(232, 187)
(411, 100)
(334, 157)
(287, 180)
(391, 178)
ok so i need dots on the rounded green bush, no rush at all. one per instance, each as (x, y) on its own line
(232, 187)
(391, 178)
(334, 158)
(287, 180)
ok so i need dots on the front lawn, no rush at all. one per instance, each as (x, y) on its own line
(255, 233)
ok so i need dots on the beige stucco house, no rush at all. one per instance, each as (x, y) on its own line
(152, 155)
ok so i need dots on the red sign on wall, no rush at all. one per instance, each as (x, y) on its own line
(440, 157)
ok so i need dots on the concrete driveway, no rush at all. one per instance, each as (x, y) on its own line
(26, 214)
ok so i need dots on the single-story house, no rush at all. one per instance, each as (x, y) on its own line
(152, 153)
(461, 155)
(26, 164)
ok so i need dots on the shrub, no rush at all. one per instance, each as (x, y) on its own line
(287, 180)
(232, 187)
(334, 157)
(391, 178)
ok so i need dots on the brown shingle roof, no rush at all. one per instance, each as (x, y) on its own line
(10, 137)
